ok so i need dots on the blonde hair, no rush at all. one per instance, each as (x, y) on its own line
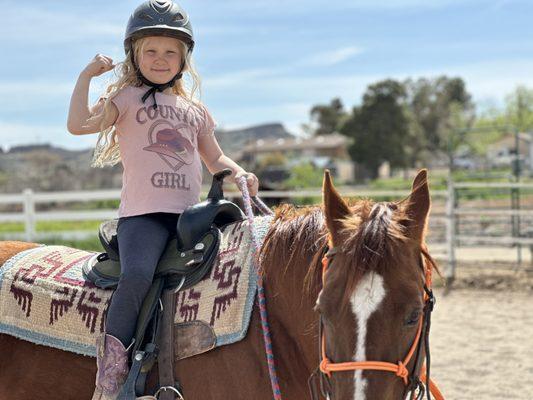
(106, 151)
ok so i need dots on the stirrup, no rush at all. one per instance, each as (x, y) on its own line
(128, 390)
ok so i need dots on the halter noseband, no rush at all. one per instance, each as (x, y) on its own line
(327, 367)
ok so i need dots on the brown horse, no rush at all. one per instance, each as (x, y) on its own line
(370, 302)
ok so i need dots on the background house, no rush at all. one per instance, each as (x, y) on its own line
(503, 152)
(323, 151)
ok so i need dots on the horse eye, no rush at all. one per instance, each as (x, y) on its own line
(413, 317)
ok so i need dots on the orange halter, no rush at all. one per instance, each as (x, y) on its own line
(400, 369)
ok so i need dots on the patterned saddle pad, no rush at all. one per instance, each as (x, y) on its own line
(44, 298)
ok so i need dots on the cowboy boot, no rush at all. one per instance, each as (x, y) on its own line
(112, 364)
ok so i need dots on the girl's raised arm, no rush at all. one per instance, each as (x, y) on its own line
(79, 116)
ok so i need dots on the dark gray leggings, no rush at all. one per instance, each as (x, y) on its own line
(141, 242)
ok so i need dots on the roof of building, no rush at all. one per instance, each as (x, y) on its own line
(331, 141)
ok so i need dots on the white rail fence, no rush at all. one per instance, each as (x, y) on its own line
(30, 216)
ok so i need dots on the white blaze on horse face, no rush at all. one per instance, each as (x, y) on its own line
(366, 299)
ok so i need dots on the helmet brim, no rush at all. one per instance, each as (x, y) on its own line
(160, 30)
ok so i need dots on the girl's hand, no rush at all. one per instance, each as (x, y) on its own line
(251, 181)
(99, 65)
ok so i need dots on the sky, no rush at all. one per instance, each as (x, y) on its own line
(263, 61)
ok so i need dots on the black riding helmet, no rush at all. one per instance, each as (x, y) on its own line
(158, 18)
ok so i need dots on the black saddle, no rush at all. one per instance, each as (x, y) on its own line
(189, 255)
(196, 220)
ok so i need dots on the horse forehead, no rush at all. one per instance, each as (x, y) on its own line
(368, 295)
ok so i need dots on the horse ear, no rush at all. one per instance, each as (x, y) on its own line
(418, 207)
(335, 208)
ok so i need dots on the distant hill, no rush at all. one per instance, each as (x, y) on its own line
(44, 167)
(233, 141)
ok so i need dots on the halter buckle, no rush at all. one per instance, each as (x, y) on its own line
(416, 387)
(431, 301)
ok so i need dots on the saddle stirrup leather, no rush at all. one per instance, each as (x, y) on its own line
(166, 355)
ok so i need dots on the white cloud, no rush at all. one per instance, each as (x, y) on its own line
(290, 114)
(276, 7)
(489, 82)
(334, 57)
(324, 59)
(226, 29)
(489, 79)
(29, 22)
(239, 77)
(22, 88)
(33, 24)
(14, 94)
(401, 4)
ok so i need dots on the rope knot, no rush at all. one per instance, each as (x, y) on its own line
(324, 366)
(402, 372)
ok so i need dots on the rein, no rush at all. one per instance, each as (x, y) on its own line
(326, 367)
(261, 298)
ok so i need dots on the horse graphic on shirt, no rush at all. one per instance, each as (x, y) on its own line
(171, 143)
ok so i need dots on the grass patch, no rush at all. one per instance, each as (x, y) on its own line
(8, 227)
(439, 182)
(392, 184)
(52, 226)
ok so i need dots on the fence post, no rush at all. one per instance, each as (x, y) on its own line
(450, 233)
(29, 214)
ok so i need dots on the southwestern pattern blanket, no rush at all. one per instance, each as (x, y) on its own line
(45, 299)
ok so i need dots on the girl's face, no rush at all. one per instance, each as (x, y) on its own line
(160, 58)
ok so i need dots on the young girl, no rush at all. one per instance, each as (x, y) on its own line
(150, 122)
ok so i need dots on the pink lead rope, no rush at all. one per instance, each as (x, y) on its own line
(241, 182)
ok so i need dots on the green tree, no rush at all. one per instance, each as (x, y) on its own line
(304, 175)
(435, 105)
(380, 127)
(490, 126)
(273, 159)
(328, 117)
(519, 108)
(269, 161)
(457, 129)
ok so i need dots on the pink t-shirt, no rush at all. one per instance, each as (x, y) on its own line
(159, 151)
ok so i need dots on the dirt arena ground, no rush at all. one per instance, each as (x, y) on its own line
(482, 336)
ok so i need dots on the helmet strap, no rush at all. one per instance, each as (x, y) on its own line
(156, 87)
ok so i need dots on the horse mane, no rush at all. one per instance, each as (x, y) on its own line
(378, 229)
(296, 233)
(372, 234)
